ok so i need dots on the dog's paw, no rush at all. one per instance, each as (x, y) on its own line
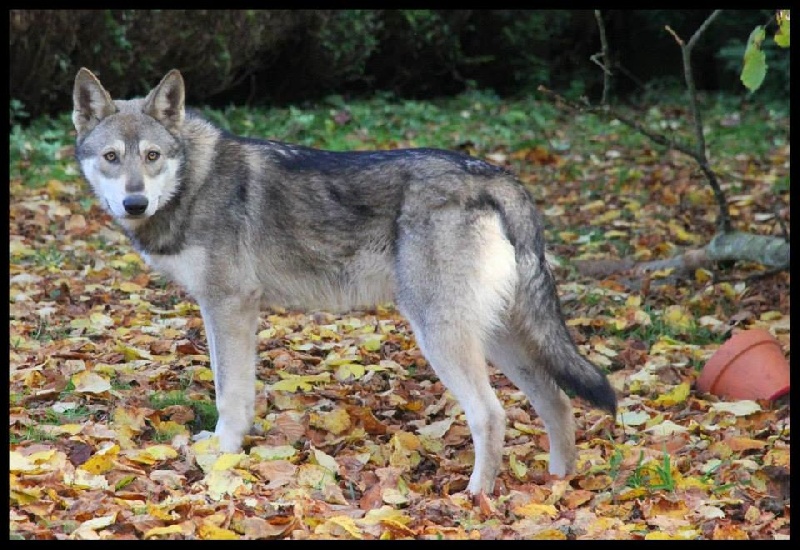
(200, 436)
(230, 441)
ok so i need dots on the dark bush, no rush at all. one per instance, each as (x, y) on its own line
(131, 49)
(268, 56)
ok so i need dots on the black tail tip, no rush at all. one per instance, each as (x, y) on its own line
(601, 395)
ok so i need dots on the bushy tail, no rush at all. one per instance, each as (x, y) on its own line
(536, 313)
(537, 316)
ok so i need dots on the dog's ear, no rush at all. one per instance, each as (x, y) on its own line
(165, 102)
(91, 103)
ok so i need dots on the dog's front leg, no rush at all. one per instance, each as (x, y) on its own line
(230, 323)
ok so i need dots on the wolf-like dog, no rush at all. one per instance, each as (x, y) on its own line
(455, 242)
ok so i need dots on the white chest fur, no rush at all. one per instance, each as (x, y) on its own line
(187, 268)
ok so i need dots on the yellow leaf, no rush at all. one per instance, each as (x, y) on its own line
(633, 418)
(606, 217)
(680, 234)
(132, 258)
(130, 287)
(335, 525)
(98, 319)
(393, 496)
(268, 452)
(594, 205)
(31, 463)
(703, 276)
(90, 382)
(536, 510)
(23, 494)
(677, 395)
(84, 480)
(209, 531)
(131, 353)
(69, 429)
(223, 482)
(292, 383)
(326, 461)
(777, 457)
(683, 534)
(630, 493)
(337, 421)
(771, 315)
(437, 429)
(102, 461)
(678, 318)
(385, 513)
(226, 461)
(152, 454)
(161, 531)
(203, 374)
(666, 428)
(373, 343)
(549, 534)
(633, 301)
(314, 475)
(99, 523)
(692, 483)
(349, 370)
(568, 236)
(518, 468)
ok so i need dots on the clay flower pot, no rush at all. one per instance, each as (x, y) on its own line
(750, 365)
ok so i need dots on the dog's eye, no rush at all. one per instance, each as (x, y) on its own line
(153, 156)
(111, 156)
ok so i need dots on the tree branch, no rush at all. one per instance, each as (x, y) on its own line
(724, 218)
(606, 59)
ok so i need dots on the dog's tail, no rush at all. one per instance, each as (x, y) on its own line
(536, 312)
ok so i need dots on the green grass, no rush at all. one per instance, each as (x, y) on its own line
(656, 477)
(205, 411)
(69, 416)
(45, 332)
(697, 335)
(32, 434)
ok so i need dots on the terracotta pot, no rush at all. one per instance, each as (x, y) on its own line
(750, 365)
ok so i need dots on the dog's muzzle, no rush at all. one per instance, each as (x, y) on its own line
(135, 205)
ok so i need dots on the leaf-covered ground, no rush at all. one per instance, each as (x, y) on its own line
(355, 438)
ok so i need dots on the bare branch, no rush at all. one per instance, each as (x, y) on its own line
(610, 113)
(674, 35)
(696, 36)
(723, 220)
(606, 58)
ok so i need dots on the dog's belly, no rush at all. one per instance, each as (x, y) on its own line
(362, 283)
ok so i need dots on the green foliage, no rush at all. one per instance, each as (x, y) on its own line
(754, 67)
(346, 40)
(782, 35)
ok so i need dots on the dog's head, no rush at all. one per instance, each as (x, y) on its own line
(129, 151)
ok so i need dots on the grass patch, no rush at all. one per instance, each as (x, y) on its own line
(650, 334)
(205, 411)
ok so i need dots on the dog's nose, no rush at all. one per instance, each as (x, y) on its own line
(135, 205)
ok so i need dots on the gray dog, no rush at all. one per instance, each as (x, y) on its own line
(454, 241)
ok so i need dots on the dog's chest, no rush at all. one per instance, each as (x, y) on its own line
(187, 268)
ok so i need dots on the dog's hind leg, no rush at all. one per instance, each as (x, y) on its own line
(230, 324)
(453, 284)
(550, 402)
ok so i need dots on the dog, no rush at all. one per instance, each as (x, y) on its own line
(455, 242)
